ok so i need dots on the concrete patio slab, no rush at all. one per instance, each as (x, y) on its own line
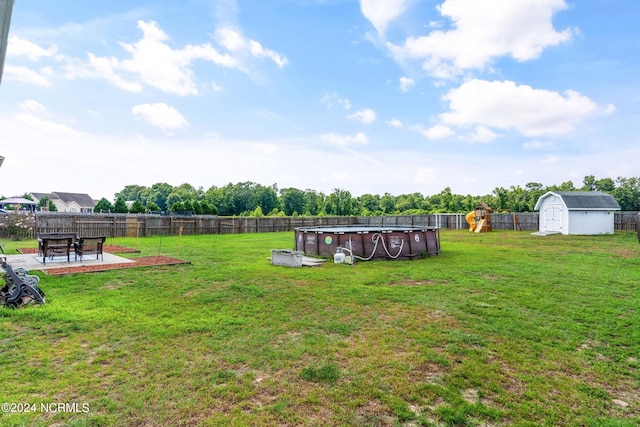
(34, 262)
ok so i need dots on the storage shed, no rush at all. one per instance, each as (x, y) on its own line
(577, 212)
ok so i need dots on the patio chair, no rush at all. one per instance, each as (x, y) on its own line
(89, 245)
(53, 246)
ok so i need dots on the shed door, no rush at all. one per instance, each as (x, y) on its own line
(553, 218)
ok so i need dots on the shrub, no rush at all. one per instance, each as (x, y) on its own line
(19, 224)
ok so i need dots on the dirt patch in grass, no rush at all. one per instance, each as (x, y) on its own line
(417, 283)
(624, 252)
(146, 261)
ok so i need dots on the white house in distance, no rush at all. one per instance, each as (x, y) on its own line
(68, 202)
(576, 212)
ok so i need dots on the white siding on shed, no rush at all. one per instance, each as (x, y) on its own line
(577, 212)
(553, 215)
(591, 222)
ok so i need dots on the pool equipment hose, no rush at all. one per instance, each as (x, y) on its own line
(375, 238)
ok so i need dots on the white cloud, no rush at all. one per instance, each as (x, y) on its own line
(331, 99)
(551, 159)
(506, 106)
(33, 106)
(21, 47)
(152, 62)
(435, 132)
(395, 123)
(482, 134)
(160, 115)
(155, 63)
(44, 127)
(406, 84)
(345, 140)
(215, 87)
(366, 116)
(107, 67)
(536, 145)
(381, 12)
(483, 31)
(26, 75)
(266, 148)
(233, 41)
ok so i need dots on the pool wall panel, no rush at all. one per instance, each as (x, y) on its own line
(394, 242)
(327, 243)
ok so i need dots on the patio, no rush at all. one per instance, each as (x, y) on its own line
(59, 266)
(32, 262)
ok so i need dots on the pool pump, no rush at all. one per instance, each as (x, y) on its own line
(341, 258)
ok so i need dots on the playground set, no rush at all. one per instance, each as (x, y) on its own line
(479, 220)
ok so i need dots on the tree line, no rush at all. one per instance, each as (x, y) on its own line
(253, 199)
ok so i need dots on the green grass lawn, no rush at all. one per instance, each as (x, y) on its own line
(501, 329)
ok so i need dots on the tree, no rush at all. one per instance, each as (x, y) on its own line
(518, 199)
(387, 204)
(565, 186)
(313, 202)
(197, 207)
(409, 202)
(158, 194)
(267, 197)
(535, 190)
(137, 207)
(46, 202)
(151, 206)
(370, 204)
(627, 193)
(183, 194)
(339, 203)
(501, 198)
(103, 205)
(257, 212)
(606, 185)
(209, 209)
(589, 182)
(292, 200)
(131, 192)
(120, 206)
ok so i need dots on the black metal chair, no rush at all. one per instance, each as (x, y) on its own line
(89, 245)
(56, 245)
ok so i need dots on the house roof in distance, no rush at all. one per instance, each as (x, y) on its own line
(83, 200)
(79, 198)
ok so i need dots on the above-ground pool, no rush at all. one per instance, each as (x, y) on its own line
(369, 242)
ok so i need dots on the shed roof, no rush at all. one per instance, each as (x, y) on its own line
(578, 200)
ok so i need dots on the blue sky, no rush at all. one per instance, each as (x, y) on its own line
(370, 96)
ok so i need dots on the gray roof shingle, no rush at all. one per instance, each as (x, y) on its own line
(588, 200)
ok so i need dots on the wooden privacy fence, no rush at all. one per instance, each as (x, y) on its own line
(130, 225)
